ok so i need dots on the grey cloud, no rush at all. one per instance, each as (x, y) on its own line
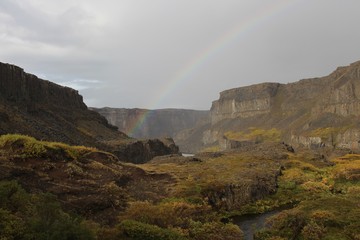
(131, 53)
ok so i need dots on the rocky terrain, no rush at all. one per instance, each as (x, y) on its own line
(47, 111)
(319, 112)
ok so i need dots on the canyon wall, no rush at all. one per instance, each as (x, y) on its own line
(244, 102)
(23, 88)
(48, 111)
(317, 112)
(143, 123)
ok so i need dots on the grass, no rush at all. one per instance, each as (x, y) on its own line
(255, 134)
(211, 149)
(28, 147)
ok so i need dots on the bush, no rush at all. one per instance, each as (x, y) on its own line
(11, 226)
(215, 231)
(193, 220)
(143, 231)
(313, 231)
(169, 214)
(12, 196)
(36, 216)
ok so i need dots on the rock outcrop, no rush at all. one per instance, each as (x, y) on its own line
(47, 111)
(244, 102)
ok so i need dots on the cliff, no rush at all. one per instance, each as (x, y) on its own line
(29, 91)
(144, 123)
(244, 102)
(311, 112)
(47, 111)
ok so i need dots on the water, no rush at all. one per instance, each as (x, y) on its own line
(188, 155)
(249, 224)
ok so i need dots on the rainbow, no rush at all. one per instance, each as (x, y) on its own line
(212, 50)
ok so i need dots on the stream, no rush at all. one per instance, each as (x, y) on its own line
(251, 223)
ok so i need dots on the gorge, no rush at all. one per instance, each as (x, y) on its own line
(67, 171)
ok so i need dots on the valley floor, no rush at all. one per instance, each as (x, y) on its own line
(56, 191)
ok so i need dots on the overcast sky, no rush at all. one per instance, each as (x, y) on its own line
(176, 53)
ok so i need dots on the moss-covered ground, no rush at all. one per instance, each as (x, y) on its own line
(195, 195)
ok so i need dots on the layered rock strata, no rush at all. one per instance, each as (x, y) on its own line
(48, 111)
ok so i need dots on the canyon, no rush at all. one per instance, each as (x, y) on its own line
(260, 148)
(144, 123)
(312, 113)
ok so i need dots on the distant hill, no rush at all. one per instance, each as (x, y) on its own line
(47, 111)
(317, 113)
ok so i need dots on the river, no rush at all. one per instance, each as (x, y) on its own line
(251, 223)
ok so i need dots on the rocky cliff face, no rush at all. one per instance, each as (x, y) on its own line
(143, 123)
(244, 102)
(312, 112)
(28, 90)
(47, 111)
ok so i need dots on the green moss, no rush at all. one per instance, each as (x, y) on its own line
(328, 133)
(211, 149)
(28, 147)
(255, 134)
(142, 231)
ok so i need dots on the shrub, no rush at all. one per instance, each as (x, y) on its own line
(143, 231)
(169, 214)
(313, 231)
(12, 196)
(11, 226)
(287, 224)
(36, 216)
(214, 231)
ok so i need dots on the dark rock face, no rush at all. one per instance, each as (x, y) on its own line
(28, 90)
(144, 150)
(233, 196)
(47, 111)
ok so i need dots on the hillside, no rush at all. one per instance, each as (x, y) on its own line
(49, 188)
(319, 112)
(47, 111)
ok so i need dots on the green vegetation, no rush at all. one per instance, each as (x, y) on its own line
(36, 216)
(28, 147)
(200, 193)
(211, 149)
(196, 178)
(326, 201)
(255, 134)
(175, 219)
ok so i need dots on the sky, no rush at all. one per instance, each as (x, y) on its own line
(176, 53)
